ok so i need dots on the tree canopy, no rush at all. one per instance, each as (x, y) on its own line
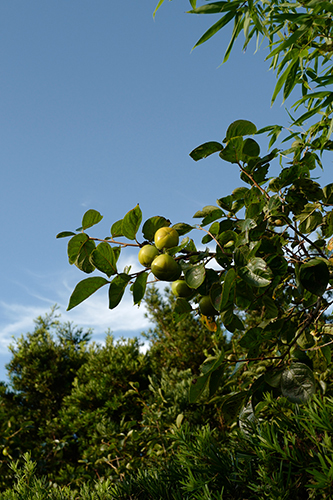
(263, 267)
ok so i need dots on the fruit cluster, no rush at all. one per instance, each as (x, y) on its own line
(165, 268)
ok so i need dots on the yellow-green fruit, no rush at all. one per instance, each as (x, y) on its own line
(165, 268)
(166, 237)
(206, 307)
(147, 254)
(181, 289)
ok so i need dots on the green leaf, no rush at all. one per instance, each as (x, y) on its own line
(215, 380)
(195, 276)
(239, 128)
(256, 273)
(314, 276)
(212, 8)
(84, 289)
(117, 289)
(251, 338)
(139, 287)
(64, 234)
(104, 259)
(311, 222)
(206, 149)
(131, 222)
(271, 311)
(298, 383)
(283, 79)
(75, 245)
(328, 194)
(215, 294)
(157, 7)
(181, 309)
(232, 153)
(182, 228)
(152, 225)
(90, 218)
(251, 148)
(117, 229)
(210, 366)
(227, 285)
(232, 405)
(215, 28)
(207, 211)
(273, 377)
(198, 386)
(83, 259)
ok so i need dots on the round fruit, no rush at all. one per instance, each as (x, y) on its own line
(181, 289)
(166, 237)
(165, 268)
(206, 307)
(147, 254)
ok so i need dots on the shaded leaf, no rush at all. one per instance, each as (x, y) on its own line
(104, 259)
(206, 149)
(152, 225)
(251, 148)
(117, 289)
(233, 404)
(64, 234)
(84, 289)
(256, 273)
(197, 387)
(139, 287)
(298, 383)
(314, 276)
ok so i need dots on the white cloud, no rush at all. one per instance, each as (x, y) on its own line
(44, 291)
(16, 319)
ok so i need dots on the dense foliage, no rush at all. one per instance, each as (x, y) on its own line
(122, 432)
(263, 268)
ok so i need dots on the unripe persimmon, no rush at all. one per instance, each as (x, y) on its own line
(166, 237)
(147, 254)
(206, 307)
(181, 289)
(165, 268)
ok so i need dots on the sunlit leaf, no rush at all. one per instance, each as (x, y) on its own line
(240, 128)
(131, 223)
(256, 273)
(90, 218)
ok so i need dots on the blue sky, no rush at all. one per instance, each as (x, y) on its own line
(100, 107)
